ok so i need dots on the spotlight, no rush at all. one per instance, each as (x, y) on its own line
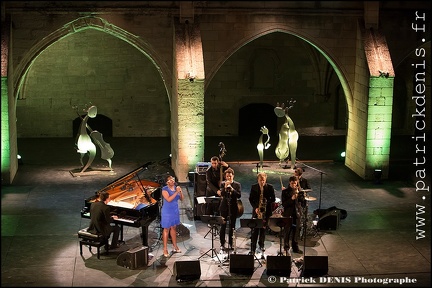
(20, 161)
(341, 157)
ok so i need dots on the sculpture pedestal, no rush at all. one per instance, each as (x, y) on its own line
(91, 172)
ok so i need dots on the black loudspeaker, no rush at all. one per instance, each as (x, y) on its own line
(200, 185)
(329, 221)
(279, 266)
(187, 270)
(182, 231)
(315, 266)
(241, 264)
(133, 258)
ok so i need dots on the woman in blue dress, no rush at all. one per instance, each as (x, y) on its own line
(170, 213)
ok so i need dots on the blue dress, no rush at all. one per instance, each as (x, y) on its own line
(170, 213)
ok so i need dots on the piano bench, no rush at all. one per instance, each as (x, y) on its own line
(92, 240)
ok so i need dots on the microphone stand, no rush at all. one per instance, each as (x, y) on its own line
(321, 183)
(229, 219)
(159, 226)
(306, 211)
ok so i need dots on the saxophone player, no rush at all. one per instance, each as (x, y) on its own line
(261, 197)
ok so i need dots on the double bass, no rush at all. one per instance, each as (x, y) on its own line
(222, 152)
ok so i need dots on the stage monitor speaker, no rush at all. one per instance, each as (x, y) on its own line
(133, 258)
(241, 264)
(314, 266)
(200, 185)
(187, 270)
(279, 266)
(182, 231)
(329, 221)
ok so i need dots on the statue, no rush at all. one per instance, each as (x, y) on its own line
(261, 146)
(288, 135)
(84, 142)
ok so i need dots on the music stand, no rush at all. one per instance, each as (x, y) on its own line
(281, 222)
(252, 224)
(211, 201)
(212, 220)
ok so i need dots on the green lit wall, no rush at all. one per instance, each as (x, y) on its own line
(379, 124)
(5, 147)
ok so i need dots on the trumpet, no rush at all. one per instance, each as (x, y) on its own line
(228, 185)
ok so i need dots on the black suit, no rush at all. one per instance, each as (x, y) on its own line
(100, 219)
(304, 184)
(292, 210)
(254, 199)
(233, 195)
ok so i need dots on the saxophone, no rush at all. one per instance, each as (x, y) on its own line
(262, 205)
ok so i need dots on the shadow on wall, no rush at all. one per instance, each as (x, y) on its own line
(256, 115)
(100, 123)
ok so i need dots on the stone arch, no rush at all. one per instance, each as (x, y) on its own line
(340, 71)
(100, 24)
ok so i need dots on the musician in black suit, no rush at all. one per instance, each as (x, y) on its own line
(101, 219)
(261, 197)
(214, 176)
(304, 184)
(230, 191)
(292, 202)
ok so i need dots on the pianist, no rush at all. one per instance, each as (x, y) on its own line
(100, 220)
(170, 213)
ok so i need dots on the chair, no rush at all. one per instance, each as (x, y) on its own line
(92, 240)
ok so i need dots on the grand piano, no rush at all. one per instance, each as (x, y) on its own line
(133, 199)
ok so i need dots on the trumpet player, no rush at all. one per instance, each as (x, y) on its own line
(230, 191)
(261, 197)
(292, 202)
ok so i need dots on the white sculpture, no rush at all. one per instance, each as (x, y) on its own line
(261, 145)
(288, 135)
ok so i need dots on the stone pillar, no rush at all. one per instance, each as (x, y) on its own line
(187, 103)
(9, 147)
(369, 129)
(378, 136)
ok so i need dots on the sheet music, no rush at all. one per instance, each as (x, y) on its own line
(121, 204)
(201, 200)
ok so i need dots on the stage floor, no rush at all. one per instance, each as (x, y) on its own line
(380, 239)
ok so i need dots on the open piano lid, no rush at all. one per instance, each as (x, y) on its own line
(133, 191)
